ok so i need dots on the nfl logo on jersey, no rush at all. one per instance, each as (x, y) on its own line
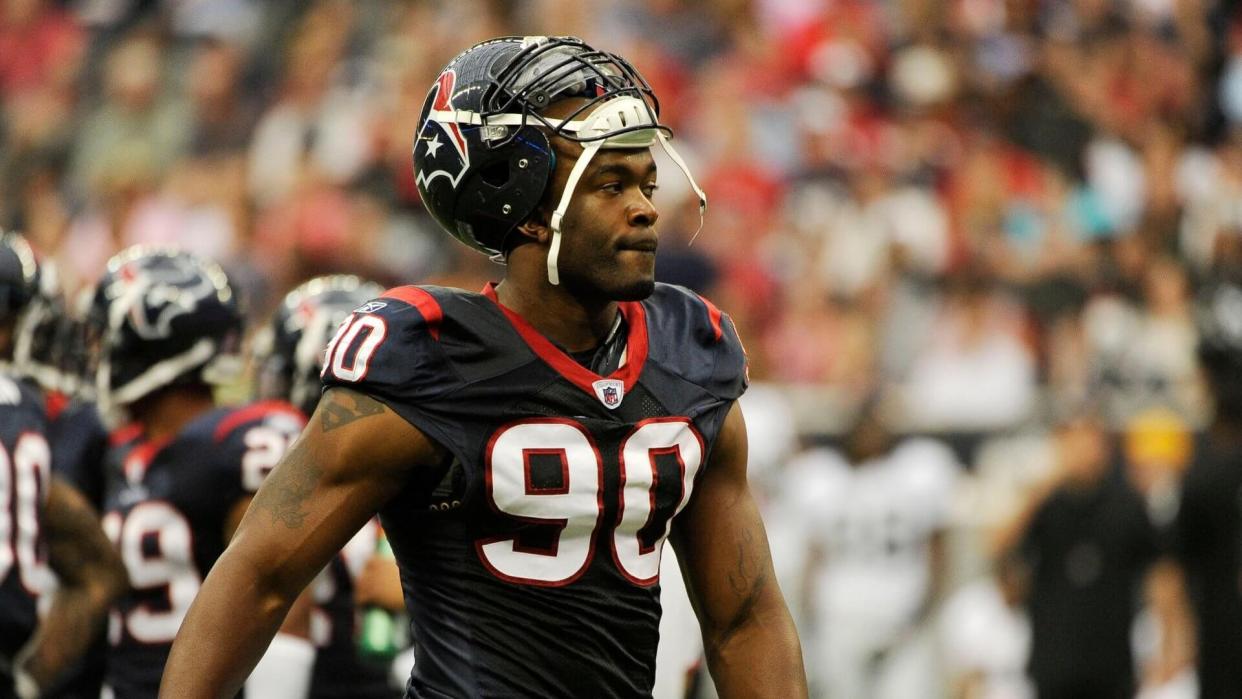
(610, 392)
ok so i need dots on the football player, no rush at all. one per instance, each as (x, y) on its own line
(180, 471)
(529, 447)
(41, 353)
(44, 521)
(288, 355)
(876, 519)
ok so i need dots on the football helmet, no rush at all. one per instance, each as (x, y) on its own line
(289, 350)
(19, 274)
(160, 317)
(483, 158)
(30, 295)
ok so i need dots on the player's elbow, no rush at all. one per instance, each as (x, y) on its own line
(759, 657)
(104, 578)
(113, 580)
(760, 622)
(267, 576)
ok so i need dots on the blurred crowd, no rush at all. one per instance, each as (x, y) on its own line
(974, 200)
(982, 215)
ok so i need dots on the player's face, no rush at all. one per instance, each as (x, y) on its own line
(609, 240)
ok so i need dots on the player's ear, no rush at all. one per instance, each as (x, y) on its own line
(536, 227)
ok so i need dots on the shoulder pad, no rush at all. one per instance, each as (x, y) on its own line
(249, 441)
(690, 333)
(274, 413)
(389, 347)
(395, 303)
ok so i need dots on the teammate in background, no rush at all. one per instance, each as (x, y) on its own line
(42, 340)
(181, 471)
(288, 360)
(43, 521)
(876, 517)
(527, 447)
(1209, 523)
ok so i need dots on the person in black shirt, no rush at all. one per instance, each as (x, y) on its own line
(1209, 524)
(1088, 542)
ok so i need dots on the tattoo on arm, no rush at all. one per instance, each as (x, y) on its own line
(745, 573)
(747, 579)
(285, 493)
(336, 414)
(287, 489)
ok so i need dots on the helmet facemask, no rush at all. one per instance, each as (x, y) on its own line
(527, 76)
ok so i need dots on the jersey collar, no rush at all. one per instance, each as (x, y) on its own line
(585, 379)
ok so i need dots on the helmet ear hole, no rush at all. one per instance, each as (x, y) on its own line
(496, 173)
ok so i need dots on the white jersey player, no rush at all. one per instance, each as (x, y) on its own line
(875, 523)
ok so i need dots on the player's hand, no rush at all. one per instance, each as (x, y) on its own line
(379, 584)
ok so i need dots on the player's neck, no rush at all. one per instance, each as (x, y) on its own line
(574, 324)
(164, 413)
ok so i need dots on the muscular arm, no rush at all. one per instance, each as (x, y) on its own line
(336, 476)
(90, 576)
(749, 637)
(297, 621)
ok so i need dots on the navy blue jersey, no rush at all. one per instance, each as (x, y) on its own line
(79, 441)
(25, 467)
(340, 671)
(166, 507)
(531, 563)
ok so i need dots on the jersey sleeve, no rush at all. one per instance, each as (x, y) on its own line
(389, 349)
(250, 441)
(700, 340)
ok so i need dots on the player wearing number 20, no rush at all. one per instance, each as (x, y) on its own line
(529, 447)
(288, 356)
(180, 472)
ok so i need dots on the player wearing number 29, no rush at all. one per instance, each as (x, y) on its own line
(181, 471)
(530, 447)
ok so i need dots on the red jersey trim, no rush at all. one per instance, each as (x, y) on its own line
(254, 412)
(713, 314)
(563, 364)
(426, 304)
(125, 434)
(140, 457)
(55, 402)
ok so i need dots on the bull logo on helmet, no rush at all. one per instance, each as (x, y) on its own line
(445, 152)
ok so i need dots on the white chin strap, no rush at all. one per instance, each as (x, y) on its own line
(597, 130)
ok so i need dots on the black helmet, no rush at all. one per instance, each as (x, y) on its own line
(162, 317)
(19, 275)
(482, 156)
(289, 350)
(30, 295)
